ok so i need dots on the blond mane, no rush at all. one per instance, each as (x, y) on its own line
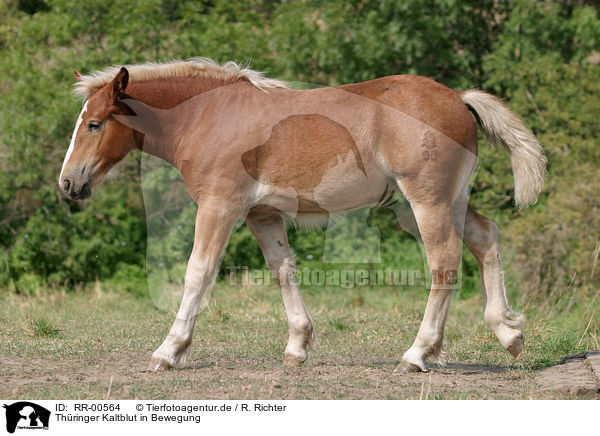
(201, 67)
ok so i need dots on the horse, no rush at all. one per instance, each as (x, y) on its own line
(249, 147)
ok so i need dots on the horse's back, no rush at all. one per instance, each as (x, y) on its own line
(423, 99)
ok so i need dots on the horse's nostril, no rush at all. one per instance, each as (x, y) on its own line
(66, 185)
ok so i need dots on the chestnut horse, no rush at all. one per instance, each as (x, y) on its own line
(248, 147)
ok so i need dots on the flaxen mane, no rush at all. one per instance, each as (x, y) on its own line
(88, 84)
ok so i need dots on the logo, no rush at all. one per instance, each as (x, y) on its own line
(26, 415)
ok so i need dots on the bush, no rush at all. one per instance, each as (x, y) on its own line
(541, 56)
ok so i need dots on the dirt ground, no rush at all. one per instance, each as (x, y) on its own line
(98, 346)
(578, 375)
(319, 379)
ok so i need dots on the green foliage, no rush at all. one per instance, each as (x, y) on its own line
(339, 42)
(61, 246)
(541, 56)
(547, 66)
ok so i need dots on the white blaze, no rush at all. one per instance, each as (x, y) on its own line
(72, 144)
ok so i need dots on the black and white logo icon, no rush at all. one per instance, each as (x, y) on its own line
(26, 415)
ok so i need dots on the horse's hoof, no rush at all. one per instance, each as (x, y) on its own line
(405, 367)
(291, 360)
(516, 346)
(157, 365)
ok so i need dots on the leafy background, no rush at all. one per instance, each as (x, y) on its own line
(542, 57)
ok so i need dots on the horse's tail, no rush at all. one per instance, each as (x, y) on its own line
(500, 125)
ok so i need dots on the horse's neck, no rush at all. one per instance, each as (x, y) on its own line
(168, 99)
(170, 92)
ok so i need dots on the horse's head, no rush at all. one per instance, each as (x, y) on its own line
(99, 140)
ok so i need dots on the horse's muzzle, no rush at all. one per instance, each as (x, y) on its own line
(76, 191)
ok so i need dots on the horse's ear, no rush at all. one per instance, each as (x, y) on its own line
(120, 83)
(77, 74)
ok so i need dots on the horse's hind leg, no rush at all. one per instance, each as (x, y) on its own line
(214, 221)
(481, 237)
(443, 250)
(272, 238)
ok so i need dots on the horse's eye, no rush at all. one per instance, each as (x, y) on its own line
(94, 125)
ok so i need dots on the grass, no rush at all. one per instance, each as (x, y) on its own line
(42, 327)
(338, 324)
(240, 338)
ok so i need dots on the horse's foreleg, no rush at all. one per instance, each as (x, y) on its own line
(271, 236)
(443, 252)
(214, 222)
(482, 239)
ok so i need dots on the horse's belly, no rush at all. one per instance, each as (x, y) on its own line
(342, 188)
